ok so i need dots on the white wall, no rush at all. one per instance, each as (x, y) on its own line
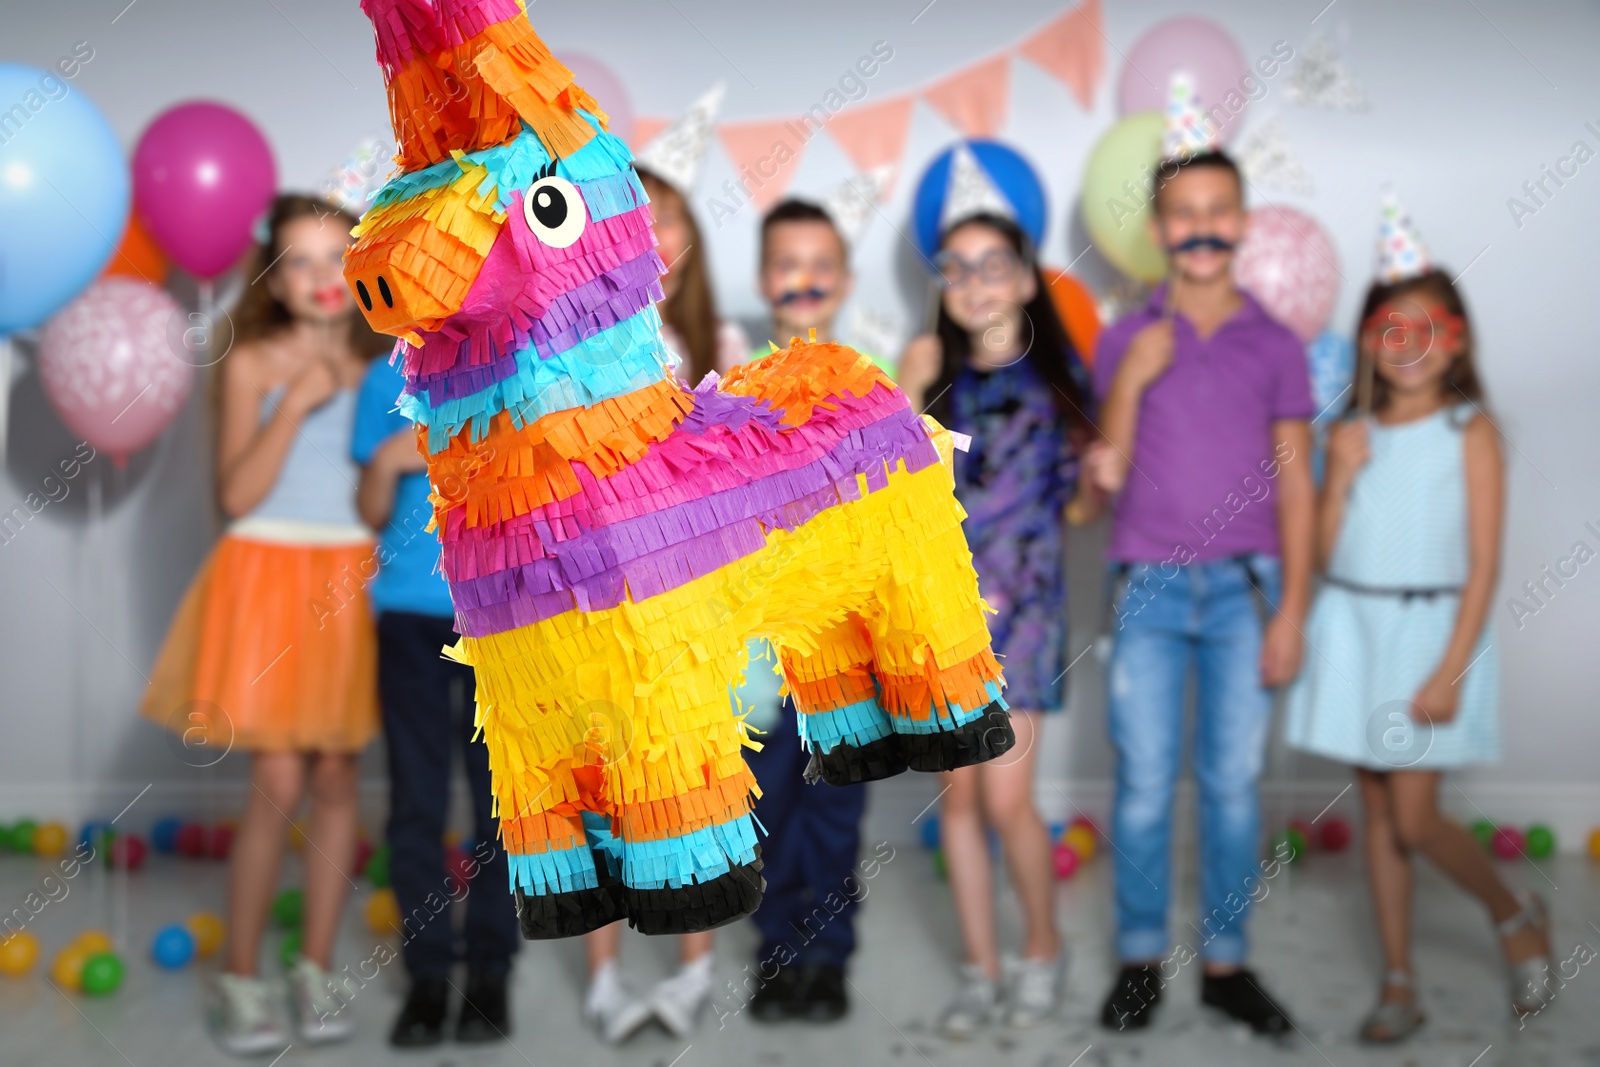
(1468, 101)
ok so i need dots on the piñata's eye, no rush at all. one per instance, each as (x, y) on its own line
(554, 210)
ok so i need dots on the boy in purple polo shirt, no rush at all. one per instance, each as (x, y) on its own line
(1205, 411)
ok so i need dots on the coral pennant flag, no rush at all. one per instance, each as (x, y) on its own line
(1072, 49)
(873, 134)
(766, 155)
(644, 128)
(974, 100)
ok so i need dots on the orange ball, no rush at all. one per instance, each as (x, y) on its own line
(18, 954)
(67, 968)
(50, 839)
(1080, 839)
(383, 912)
(208, 932)
(1594, 844)
(93, 942)
(297, 836)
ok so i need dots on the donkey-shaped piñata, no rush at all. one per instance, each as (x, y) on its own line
(612, 539)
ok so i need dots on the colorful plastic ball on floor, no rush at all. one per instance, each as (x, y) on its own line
(1082, 841)
(930, 832)
(1594, 844)
(1484, 830)
(1508, 842)
(94, 835)
(22, 833)
(164, 834)
(459, 866)
(1336, 834)
(1066, 860)
(173, 947)
(289, 949)
(1541, 841)
(18, 954)
(66, 970)
(288, 907)
(5, 837)
(102, 974)
(191, 840)
(1087, 823)
(1288, 845)
(208, 930)
(378, 866)
(92, 941)
(50, 840)
(1056, 830)
(939, 867)
(127, 852)
(382, 912)
(219, 842)
(363, 854)
(297, 836)
(1307, 831)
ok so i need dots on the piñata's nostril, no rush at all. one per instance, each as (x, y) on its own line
(366, 297)
(383, 291)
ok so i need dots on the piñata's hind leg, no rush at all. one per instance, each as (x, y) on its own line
(564, 882)
(841, 719)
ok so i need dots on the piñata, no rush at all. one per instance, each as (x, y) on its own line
(612, 539)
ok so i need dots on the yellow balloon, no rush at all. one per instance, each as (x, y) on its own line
(1115, 200)
(67, 970)
(18, 953)
(383, 912)
(208, 932)
(92, 942)
(50, 839)
(1080, 839)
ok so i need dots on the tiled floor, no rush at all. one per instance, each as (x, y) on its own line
(1312, 946)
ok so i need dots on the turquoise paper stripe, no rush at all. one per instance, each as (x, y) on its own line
(855, 724)
(674, 862)
(560, 870)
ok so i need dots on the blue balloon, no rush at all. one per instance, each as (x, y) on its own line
(164, 834)
(63, 194)
(1011, 174)
(1332, 361)
(173, 947)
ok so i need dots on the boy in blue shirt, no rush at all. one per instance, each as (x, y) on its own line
(428, 709)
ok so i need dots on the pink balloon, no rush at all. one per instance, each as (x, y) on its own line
(598, 81)
(1288, 262)
(1199, 48)
(202, 175)
(107, 367)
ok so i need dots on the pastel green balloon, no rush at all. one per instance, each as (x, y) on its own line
(1116, 196)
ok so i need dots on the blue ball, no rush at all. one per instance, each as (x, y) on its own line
(1010, 173)
(64, 194)
(173, 947)
(93, 834)
(930, 832)
(164, 834)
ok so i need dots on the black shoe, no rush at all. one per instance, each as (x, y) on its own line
(485, 1014)
(421, 1021)
(778, 998)
(1239, 995)
(822, 998)
(1132, 1001)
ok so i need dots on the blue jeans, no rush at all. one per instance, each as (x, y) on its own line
(1173, 621)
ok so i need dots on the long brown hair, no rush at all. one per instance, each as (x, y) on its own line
(691, 310)
(1461, 380)
(260, 314)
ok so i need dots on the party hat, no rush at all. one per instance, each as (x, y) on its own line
(1401, 253)
(971, 192)
(1189, 130)
(674, 155)
(851, 203)
(352, 185)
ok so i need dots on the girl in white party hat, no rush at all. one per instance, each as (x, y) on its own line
(1405, 683)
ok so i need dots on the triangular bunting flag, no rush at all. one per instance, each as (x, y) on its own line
(873, 134)
(1320, 80)
(1269, 160)
(765, 154)
(1072, 48)
(975, 99)
(645, 127)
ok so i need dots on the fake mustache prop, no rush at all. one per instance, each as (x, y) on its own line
(1205, 241)
(794, 295)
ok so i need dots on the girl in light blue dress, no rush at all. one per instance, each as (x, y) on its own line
(1401, 680)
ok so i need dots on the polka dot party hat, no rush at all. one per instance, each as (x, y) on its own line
(1401, 253)
(1189, 130)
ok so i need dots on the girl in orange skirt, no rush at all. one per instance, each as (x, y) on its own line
(273, 648)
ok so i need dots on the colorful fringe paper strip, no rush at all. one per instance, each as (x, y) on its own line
(612, 540)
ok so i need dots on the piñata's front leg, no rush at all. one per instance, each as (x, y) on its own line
(841, 720)
(563, 869)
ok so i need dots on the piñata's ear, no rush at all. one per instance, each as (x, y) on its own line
(466, 74)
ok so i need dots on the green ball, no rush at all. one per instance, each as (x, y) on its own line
(21, 839)
(289, 949)
(5, 837)
(1541, 841)
(378, 866)
(1483, 830)
(102, 974)
(1288, 844)
(287, 908)
(938, 864)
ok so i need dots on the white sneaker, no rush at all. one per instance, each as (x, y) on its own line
(320, 1014)
(244, 1018)
(676, 1001)
(974, 1006)
(611, 1008)
(1033, 990)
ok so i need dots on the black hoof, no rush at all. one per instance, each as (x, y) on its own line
(702, 906)
(979, 741)
(544, 917)
(852, 765)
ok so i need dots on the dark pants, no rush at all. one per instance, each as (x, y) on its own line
(427, 711)
(809, 854)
